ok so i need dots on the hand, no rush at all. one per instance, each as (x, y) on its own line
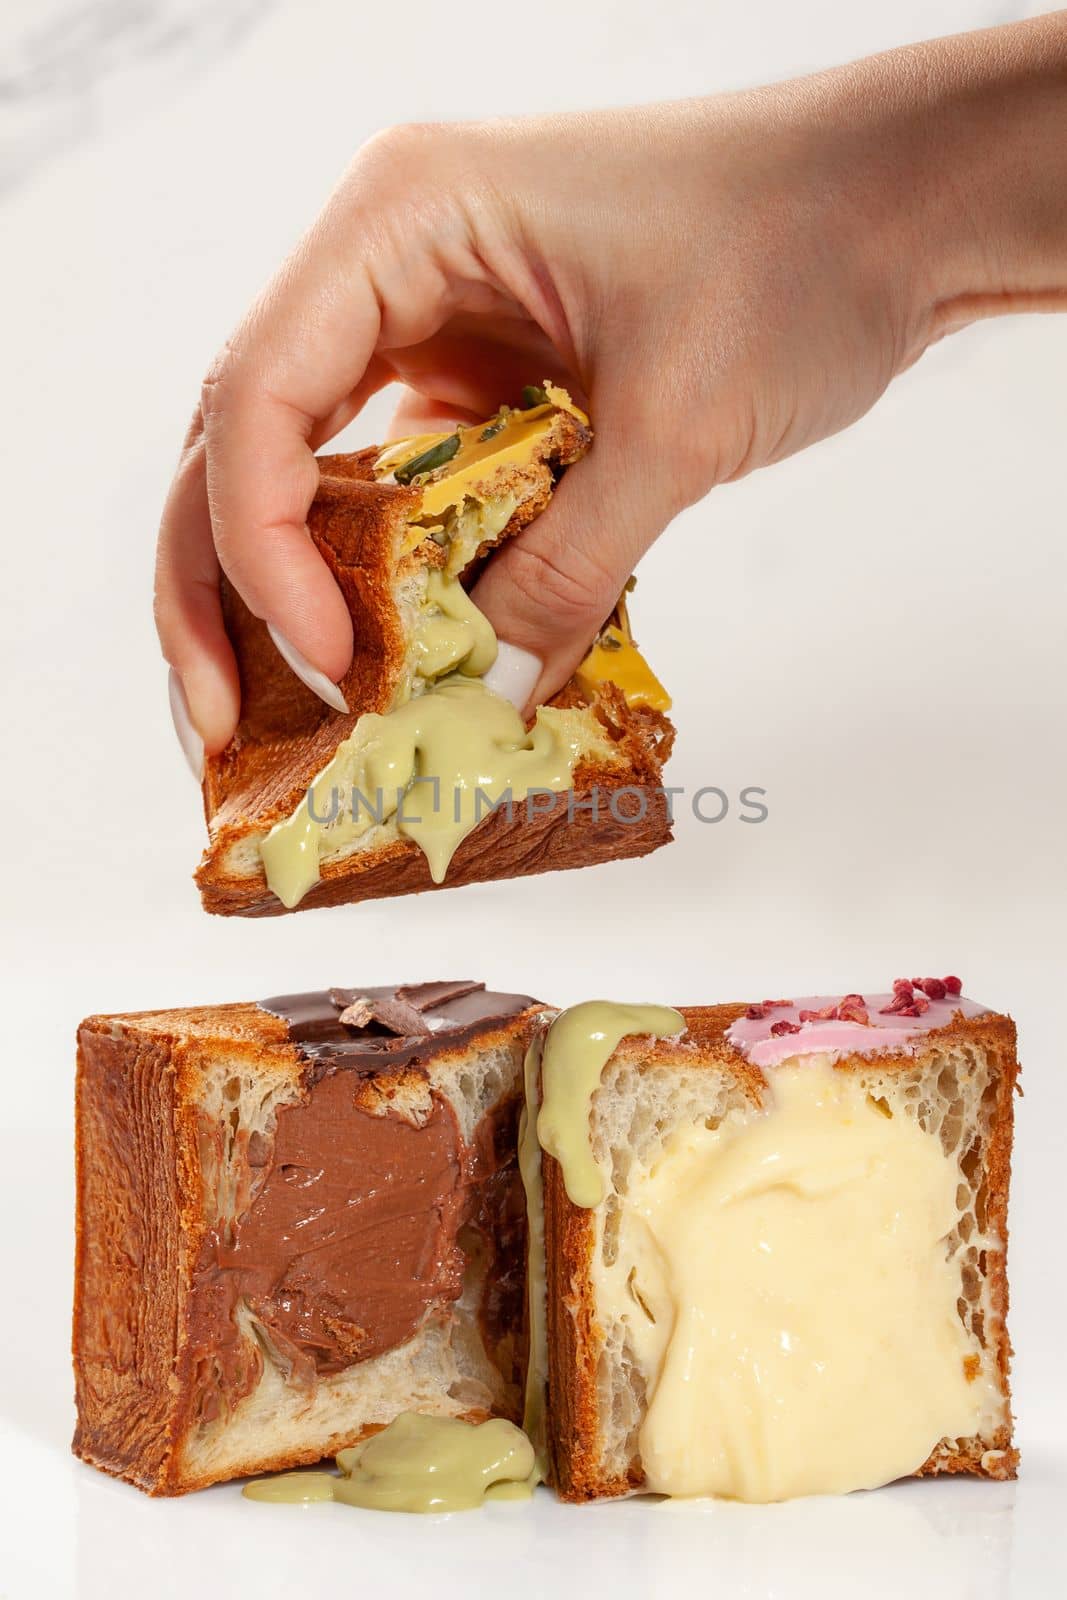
(722, 282)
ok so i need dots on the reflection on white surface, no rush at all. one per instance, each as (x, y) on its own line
(949, 1539)
(83, 1535)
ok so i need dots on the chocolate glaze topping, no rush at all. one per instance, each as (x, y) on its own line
(459, 1010)
(364, 1207)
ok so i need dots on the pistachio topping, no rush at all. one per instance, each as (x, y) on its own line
(577, 1047)
(418, 1463)
(438, 455)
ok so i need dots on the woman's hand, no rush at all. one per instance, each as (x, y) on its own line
(722, 282)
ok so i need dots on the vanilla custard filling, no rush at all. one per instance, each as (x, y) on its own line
(790, 1297)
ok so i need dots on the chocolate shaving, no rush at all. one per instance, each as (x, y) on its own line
(457, 1008)
(358, 1014)
(393, 1014)
(426, 996)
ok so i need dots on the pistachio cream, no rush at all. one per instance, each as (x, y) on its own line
(417, 1463)
(561, 1072)
(578, 1046)
(790, 1299)
(452, 635)
(434, 767)
(533, 1419)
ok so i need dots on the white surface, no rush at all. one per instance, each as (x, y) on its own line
(876, 637)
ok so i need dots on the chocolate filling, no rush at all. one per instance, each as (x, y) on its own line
(360, 1215)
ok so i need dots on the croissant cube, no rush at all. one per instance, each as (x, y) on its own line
(290, 1230)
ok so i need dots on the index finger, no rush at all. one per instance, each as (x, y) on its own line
(302, 351)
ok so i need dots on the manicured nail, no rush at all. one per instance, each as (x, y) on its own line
(190, 741)
(513, 674)
(315, 680)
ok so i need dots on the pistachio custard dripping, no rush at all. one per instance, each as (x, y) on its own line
(561, 1073)
(433, 768)
(452, 635)
(417, 1463)
(578, 1046)
(533, 1418)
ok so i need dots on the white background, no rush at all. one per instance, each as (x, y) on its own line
(873, 632)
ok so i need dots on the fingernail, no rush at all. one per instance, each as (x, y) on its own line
(190, 741)
(513, 674)
(315, 680)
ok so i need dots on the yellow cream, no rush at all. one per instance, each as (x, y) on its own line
(433, 768)
(507, 440)
(789, 1297)
(577, 1047)
(615, 658)
(417, 1463)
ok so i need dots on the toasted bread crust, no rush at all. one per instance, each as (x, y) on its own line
(127, 1232)
(141, 1223)
(574, 1338)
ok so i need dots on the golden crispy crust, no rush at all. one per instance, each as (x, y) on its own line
(574, 1337)
(286, 734)
(141, 1223)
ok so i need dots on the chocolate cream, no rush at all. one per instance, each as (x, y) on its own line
(361, 1222)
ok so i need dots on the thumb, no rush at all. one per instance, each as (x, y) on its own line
(550, 589)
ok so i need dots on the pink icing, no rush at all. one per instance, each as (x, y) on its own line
(753, 1036)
